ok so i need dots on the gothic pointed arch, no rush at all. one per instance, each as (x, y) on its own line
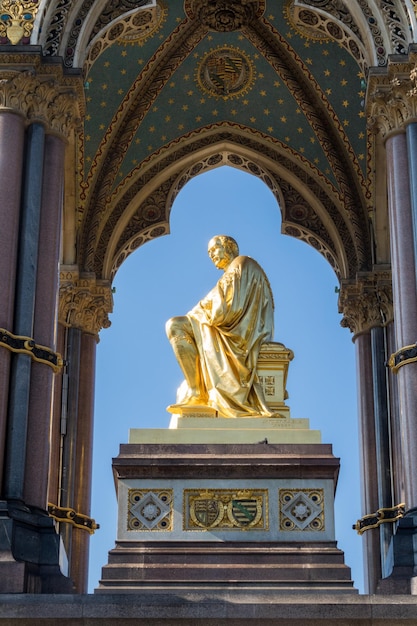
(117, 171)
(309, 211)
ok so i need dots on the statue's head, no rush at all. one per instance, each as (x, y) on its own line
(222, 250)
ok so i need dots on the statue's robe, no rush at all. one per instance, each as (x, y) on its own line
(230, 324)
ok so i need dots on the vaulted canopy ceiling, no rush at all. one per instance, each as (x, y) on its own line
(173, 88)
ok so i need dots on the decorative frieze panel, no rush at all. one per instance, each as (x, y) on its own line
(301, 510)
(150, 510)
(225, 509)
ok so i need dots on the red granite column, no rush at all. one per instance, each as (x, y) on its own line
(84, 307)
(84, 460)
(397, 459)
(405, 302)
(11, 162)
(42, 376)
(367, 442)
(55, 438)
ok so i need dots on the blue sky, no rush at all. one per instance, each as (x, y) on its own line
(137, 374)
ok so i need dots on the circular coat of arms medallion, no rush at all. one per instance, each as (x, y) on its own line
(226, 72)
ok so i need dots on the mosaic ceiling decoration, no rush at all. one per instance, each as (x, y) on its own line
(281, 84)
(304, 95)
(230, 81)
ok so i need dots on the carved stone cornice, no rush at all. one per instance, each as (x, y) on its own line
(366, 302)
(84, 302)
(392, 94)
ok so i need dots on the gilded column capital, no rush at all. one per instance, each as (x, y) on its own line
(84, 302)
(41, 94)
(366, 302)
(392, 94)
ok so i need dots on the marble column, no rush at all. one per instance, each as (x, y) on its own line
(12, 134)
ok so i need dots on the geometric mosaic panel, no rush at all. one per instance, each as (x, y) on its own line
(149, 509)
(225, 509)
(301, 509)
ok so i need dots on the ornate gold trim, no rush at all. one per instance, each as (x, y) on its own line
(403, 356)
(26, 345)
(225, 509)
(69, 516)
(382, 516)
(17, 19)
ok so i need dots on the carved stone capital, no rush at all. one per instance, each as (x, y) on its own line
(45, 97)
(225, 15)
(84, 302)
(367, 302)
(392, 95)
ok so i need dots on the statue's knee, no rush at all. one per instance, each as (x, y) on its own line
(175, 326)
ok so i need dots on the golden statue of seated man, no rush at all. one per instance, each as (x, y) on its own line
(218, 342)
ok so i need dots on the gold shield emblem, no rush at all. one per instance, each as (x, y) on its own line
(206, 512)
(245, 512)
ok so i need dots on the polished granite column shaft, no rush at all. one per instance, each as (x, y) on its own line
(42, 376)
(403, 578)
(411, 131)
(84, 461)
(382, 439)
(367, 442)
(69, 429)
(11, 163)
(24, 313)
(59, 395)
(405, 301)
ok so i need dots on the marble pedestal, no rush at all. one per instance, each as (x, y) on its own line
(254, 514)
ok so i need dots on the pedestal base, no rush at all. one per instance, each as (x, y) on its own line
(202, 515)
(303, 567)
(29, 552)
(403, 579)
